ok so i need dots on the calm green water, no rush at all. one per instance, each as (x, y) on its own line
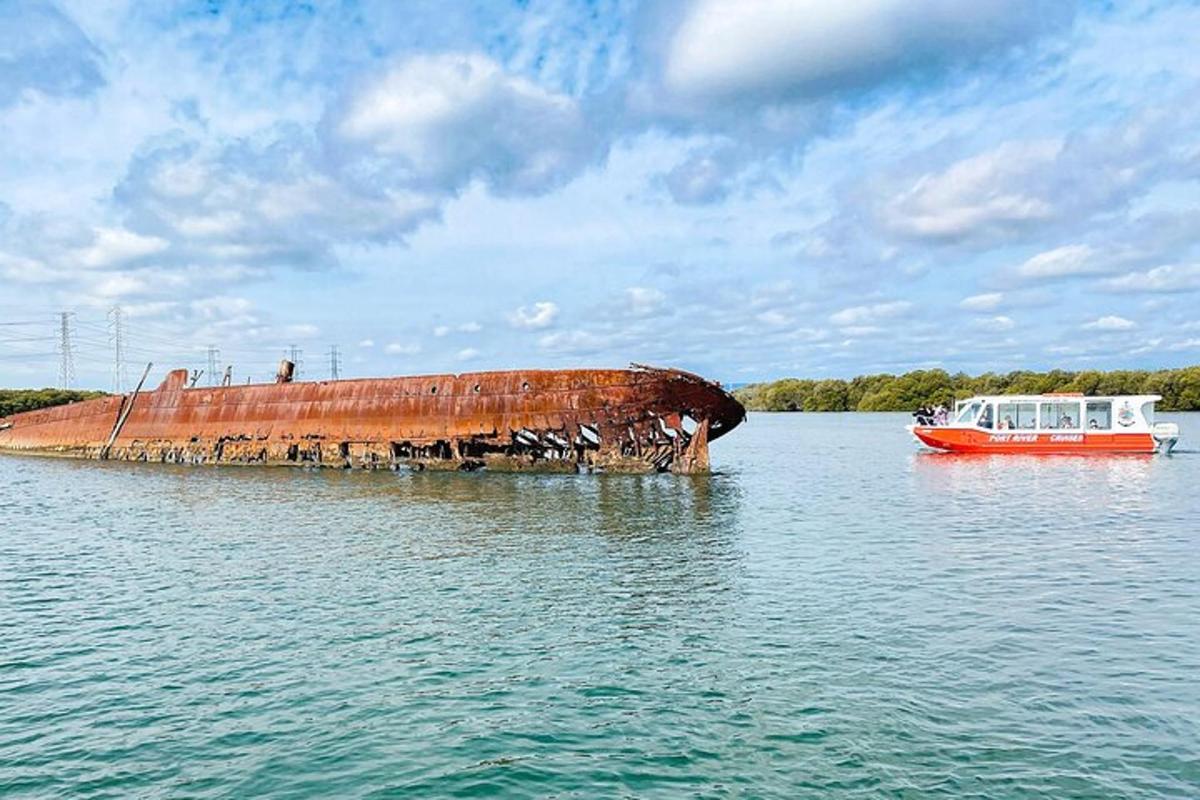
(833, 615)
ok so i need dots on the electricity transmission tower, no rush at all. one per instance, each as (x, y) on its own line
(296, 356)
(213, 355)
(117, 337)
(335, 362)
(66, 372)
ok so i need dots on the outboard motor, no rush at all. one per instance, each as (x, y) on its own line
(1166, 435)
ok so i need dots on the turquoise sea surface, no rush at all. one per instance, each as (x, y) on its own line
(833, 614)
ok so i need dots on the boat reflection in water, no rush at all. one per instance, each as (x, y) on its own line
(1024, 486)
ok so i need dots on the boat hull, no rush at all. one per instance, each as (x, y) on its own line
(967, 440)
(632, 420)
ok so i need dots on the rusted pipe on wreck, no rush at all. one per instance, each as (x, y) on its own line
(124, 415)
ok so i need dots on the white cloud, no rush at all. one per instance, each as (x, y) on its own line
(116, 286)
(1092, 176)
(402, 349)
(211, 225)
(989, 301)
(467, 353)
(267, 203)
(542, 315)
(644, 301)
(440, 121)
(996, 323)
(860, 331)
(367, 343)
(1061, 262)
(574, 342)
(1110, 323)
(868, 314)
(301, 330)
(790, 47)
(701, 178)
(211, 308)
(112, 246)
(977, 195)
(774, 318)
(44, 51)
(442, 331)
(763, 78)
(1169, 278)
(21, 269)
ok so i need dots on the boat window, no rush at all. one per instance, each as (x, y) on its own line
(985, 419)
(1016, 416)
(968, 414)
(1099, 415)
(1060, 416)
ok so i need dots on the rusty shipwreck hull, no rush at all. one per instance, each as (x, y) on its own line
(640, 419)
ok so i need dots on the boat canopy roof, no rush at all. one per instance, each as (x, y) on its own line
(1059, 396)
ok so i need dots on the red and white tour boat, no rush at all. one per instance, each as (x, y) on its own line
(1052, 423)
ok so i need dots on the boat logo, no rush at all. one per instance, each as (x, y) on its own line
(1126, 416)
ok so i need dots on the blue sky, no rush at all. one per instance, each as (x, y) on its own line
(749, 190)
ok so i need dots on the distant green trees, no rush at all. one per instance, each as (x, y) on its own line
(14, 401)
(1180, 389)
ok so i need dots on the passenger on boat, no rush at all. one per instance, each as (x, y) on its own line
(1093, 425)
(1007, 424)
(1066, 422)
(941, 415)
(986, 420)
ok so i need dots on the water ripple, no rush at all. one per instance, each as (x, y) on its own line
(834, 614)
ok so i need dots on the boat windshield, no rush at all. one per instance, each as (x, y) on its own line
(967, 415)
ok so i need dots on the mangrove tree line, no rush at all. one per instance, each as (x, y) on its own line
(14, 401)
(1180, 389)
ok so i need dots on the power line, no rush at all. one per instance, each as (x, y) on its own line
(28, 356)
(12, 339)
(95, 346)
(66, 372)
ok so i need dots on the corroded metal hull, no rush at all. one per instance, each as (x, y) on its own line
(640, 419)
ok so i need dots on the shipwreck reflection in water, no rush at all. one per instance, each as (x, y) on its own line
(654, 538)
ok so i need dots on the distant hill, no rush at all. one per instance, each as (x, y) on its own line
(14, 401)
(1180, 389)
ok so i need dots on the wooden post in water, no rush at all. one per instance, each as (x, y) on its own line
(124, 415)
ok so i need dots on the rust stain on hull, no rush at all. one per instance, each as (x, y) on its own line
(642, 419)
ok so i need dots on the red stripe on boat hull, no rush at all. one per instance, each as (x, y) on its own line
(965, 440)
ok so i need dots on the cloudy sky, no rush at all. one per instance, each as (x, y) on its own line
(749, 190)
